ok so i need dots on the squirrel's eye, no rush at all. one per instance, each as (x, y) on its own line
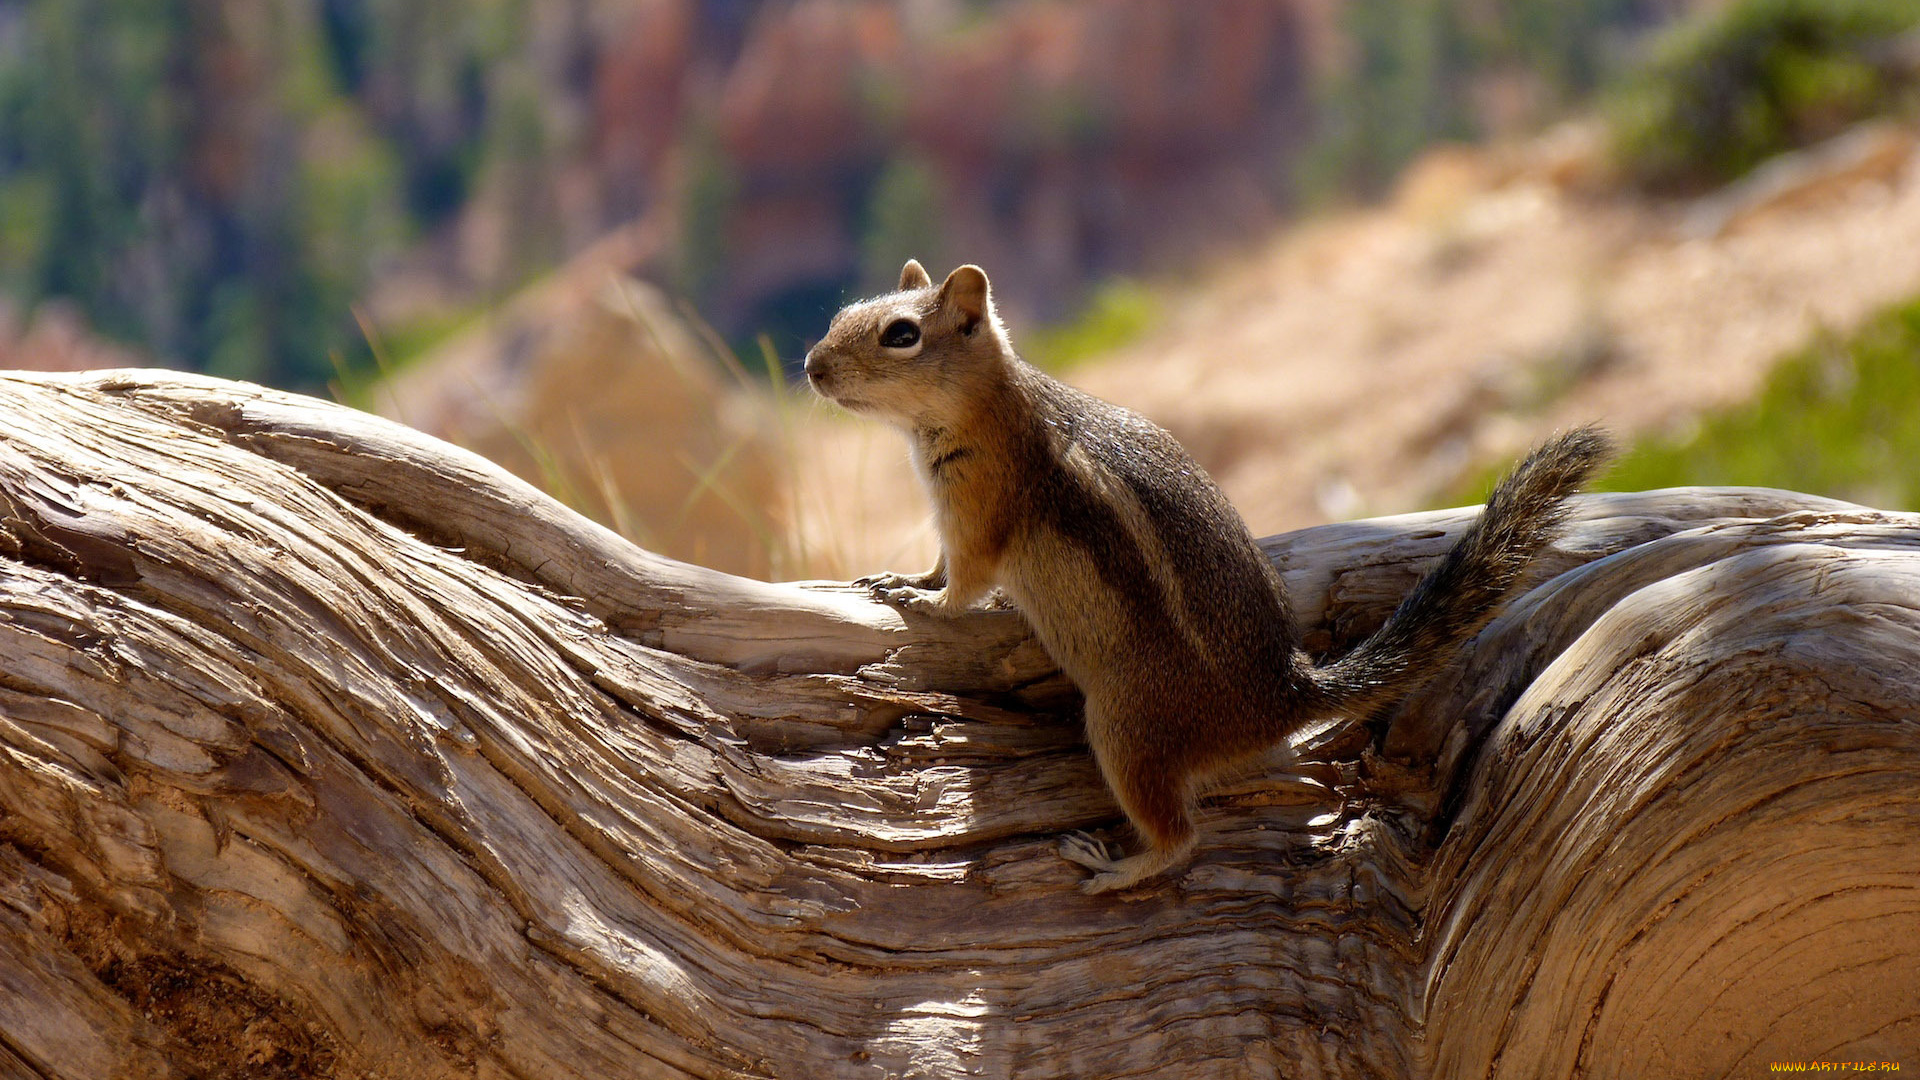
(899, 334)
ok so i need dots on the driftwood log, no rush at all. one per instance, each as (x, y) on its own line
(328, 750)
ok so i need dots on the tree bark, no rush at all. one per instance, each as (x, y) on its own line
(329, 750)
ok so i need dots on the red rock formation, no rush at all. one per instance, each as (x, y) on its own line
(1067, 140)
(639, 95)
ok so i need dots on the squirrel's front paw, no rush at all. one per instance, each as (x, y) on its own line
(921, 593)
(911, 598)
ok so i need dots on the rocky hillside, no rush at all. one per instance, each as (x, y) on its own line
(256, 187)
(1064, 141)
(220, 181)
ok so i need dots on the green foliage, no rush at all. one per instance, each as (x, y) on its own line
(347, 204)
(1840, 418)
(406, 342)
(26, 209)
(1569, 44)
(1410, 79)
(163, 213)
(218, 182)
(1118, 313)
(1721, 93)
(701, 249)
(1402, 91)
(86, 164)
(903, 222)
(430, 74)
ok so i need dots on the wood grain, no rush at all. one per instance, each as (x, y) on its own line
(327, 749)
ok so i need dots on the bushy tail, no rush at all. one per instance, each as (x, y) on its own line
(1457, 597)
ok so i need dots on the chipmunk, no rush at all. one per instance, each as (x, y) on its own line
(1136, 573)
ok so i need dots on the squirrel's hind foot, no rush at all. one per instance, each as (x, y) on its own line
(1113, 874)
(1082, 849)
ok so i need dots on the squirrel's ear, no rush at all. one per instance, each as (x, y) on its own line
(914, 276)
(967, 292)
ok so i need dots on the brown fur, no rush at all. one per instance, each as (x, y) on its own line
(1136, 572)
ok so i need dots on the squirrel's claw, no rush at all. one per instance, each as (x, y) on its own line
(910, 598)
(1111, 874)
(1082, 849)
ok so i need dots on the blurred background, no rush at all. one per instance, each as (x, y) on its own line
(1357, 254)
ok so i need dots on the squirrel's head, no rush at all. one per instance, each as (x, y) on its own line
(915, 355)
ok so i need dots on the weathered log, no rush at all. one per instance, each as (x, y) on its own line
(331, 750)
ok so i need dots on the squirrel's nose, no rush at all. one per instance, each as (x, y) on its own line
(816, 365)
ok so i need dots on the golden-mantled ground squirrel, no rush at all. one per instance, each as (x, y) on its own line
(1138, 576)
